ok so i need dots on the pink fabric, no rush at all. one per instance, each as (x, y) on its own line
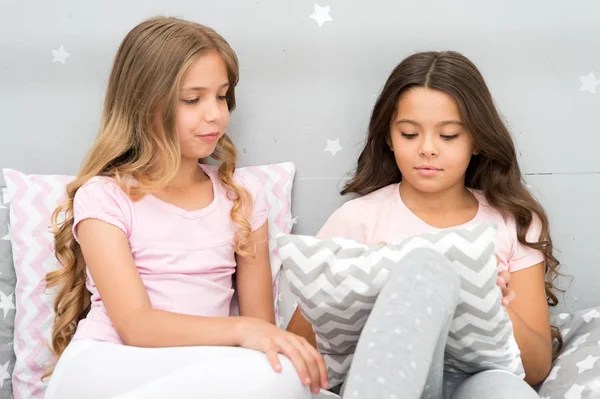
(381, 216)
(32, 198)
(185, 258)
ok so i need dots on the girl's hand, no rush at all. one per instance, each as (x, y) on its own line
(508, 295)
(265, 337)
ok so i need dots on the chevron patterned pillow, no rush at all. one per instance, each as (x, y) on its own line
(337, 282)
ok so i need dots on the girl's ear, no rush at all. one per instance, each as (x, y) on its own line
(388, 141)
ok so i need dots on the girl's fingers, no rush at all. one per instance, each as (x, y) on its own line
(296, 358)
(500, 282)
(273, 358)
(508, 296)
(504, 275)
(320, 363)
(311, 363)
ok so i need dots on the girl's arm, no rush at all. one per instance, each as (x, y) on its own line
(300, 326)
(254, 280)
(108, 257)
(531, 322)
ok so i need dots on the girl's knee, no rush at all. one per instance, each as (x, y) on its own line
(495, 384)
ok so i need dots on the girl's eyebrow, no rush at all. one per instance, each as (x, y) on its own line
(452, 122)
(443, 123)
(198, 88)
(409, 121)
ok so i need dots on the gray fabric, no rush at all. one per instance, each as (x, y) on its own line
(337, 282)
(7, 304)
(576, 372)
(490, 384)
(286, 301)
(400, 353)
(401, 350)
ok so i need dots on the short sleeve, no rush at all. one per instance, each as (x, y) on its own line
(260, 204)
(102, 199)
(344, 223)
(523, 256)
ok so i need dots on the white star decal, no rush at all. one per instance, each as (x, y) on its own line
(552, 375)
(333, 146)
(587, 363)
(592, 314)
(581, 339)
(4, 374)
(321, 15)
(6, 303)
(589, 83)
(574, 392)
(60, 55)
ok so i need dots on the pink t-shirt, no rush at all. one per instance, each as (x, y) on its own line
(382, 216)
(185, 258)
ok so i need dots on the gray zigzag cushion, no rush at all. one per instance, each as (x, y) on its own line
(337, 282)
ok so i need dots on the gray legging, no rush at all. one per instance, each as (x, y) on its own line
(401, 349)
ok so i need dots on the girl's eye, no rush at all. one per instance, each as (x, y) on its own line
(409, 135)
(449, 136)
(222, 98)
(191, 102)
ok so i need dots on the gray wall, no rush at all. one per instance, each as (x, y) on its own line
(302, 84)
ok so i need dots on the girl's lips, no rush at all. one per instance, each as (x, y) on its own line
(428, 170)
(211, 137)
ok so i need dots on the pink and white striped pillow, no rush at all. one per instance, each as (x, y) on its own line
(33, 198)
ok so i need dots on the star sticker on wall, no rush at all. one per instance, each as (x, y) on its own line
(589, 83)
(333, 146)
(587, 363)
(6, 237)
(6, 303)
(60, 55)
(321, 15)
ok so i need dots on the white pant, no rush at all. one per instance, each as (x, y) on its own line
(101, 370)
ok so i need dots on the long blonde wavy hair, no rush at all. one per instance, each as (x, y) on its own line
(148, 69)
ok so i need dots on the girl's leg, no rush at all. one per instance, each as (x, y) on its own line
(494, 384)
(400, 353)
(95, 370)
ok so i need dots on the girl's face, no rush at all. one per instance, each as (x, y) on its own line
(431, 146)
(202, 112)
